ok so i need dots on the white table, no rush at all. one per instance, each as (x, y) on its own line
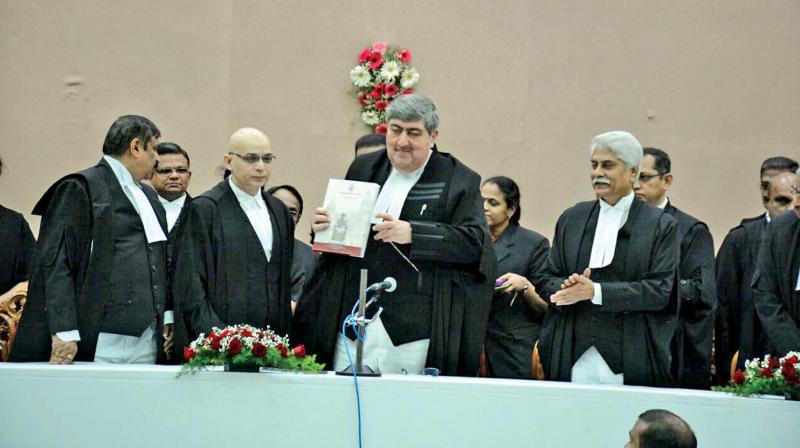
(89, 405)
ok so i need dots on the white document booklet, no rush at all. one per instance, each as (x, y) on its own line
(350, 206)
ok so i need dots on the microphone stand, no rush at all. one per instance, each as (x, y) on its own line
(361, 322)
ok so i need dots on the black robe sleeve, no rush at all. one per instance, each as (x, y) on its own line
(730, 274)
(16, 249)
(65, 234)
(780, 327)
(647, 294)
(697, 291)
(195, 267)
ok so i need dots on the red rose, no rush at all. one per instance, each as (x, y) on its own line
(188, 354)
(766, 372)
(376, 93)
(259, 349)
(364, 55)
(381, 105)
(282, 348)
(375, 61)
(773, 363)
(738, 377)
(300, 351)
(390, 90)
(407, 91)
(234, 347)
(246, 333)
(381, 129)
(215, 341)
(792, 360)
(404, 56)
(362, 98)
(791, 377)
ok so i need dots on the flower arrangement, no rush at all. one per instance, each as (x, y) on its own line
(772, 376)
(382, 74)
(246, 346)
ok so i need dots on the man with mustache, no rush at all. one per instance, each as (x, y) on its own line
(234, 262)
(610, 279)
(737, 327)
(777, 279)
(98, 286)
(691, 347)
(431, 235)
(170, 179)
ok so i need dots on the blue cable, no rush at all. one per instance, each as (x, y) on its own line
(352, 322)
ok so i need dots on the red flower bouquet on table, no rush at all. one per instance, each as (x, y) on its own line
(770, 376)
(382, 74)
(246, 348)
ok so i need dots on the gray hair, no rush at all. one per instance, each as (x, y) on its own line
(414, 107)
(623, 144)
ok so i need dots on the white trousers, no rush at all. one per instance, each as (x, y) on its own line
(591, 368)
(381, 354)
(120, 349)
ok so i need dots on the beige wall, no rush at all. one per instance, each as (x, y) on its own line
(522, 86)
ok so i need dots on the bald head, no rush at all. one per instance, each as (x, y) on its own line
(246, 138)
(249, 159)
(781, 193)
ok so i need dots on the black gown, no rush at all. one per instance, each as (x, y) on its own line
(691, 347)
(16, 249)
(447, 301)
(776, 297)
(737, 326)
(641, 300)
(222, 276)
(514, 329)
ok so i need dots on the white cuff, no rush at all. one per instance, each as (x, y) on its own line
(598, 295)
(169, 317)
(69, 336)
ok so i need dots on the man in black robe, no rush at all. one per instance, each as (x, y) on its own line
(737, 327)
(691, 346)
(610, 280)
(234, 260)
(777, 280)
(433, 239)
(170, 179)
(97, 291)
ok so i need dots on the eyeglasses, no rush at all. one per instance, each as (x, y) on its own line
(252, 159)
(168, 171)
(647, 177)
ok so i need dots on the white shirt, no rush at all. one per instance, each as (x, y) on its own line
(663, 205)
(173, 209)
(257, 213)
(395, 190)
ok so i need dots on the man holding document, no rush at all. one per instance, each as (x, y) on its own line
(429, 233)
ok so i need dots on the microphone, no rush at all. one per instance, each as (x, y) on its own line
(388, 284)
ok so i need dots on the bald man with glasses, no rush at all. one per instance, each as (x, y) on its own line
(234, 263)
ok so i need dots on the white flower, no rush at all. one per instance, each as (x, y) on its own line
(390, 70)
(410, 78)
(360, 76)
(370, 117)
